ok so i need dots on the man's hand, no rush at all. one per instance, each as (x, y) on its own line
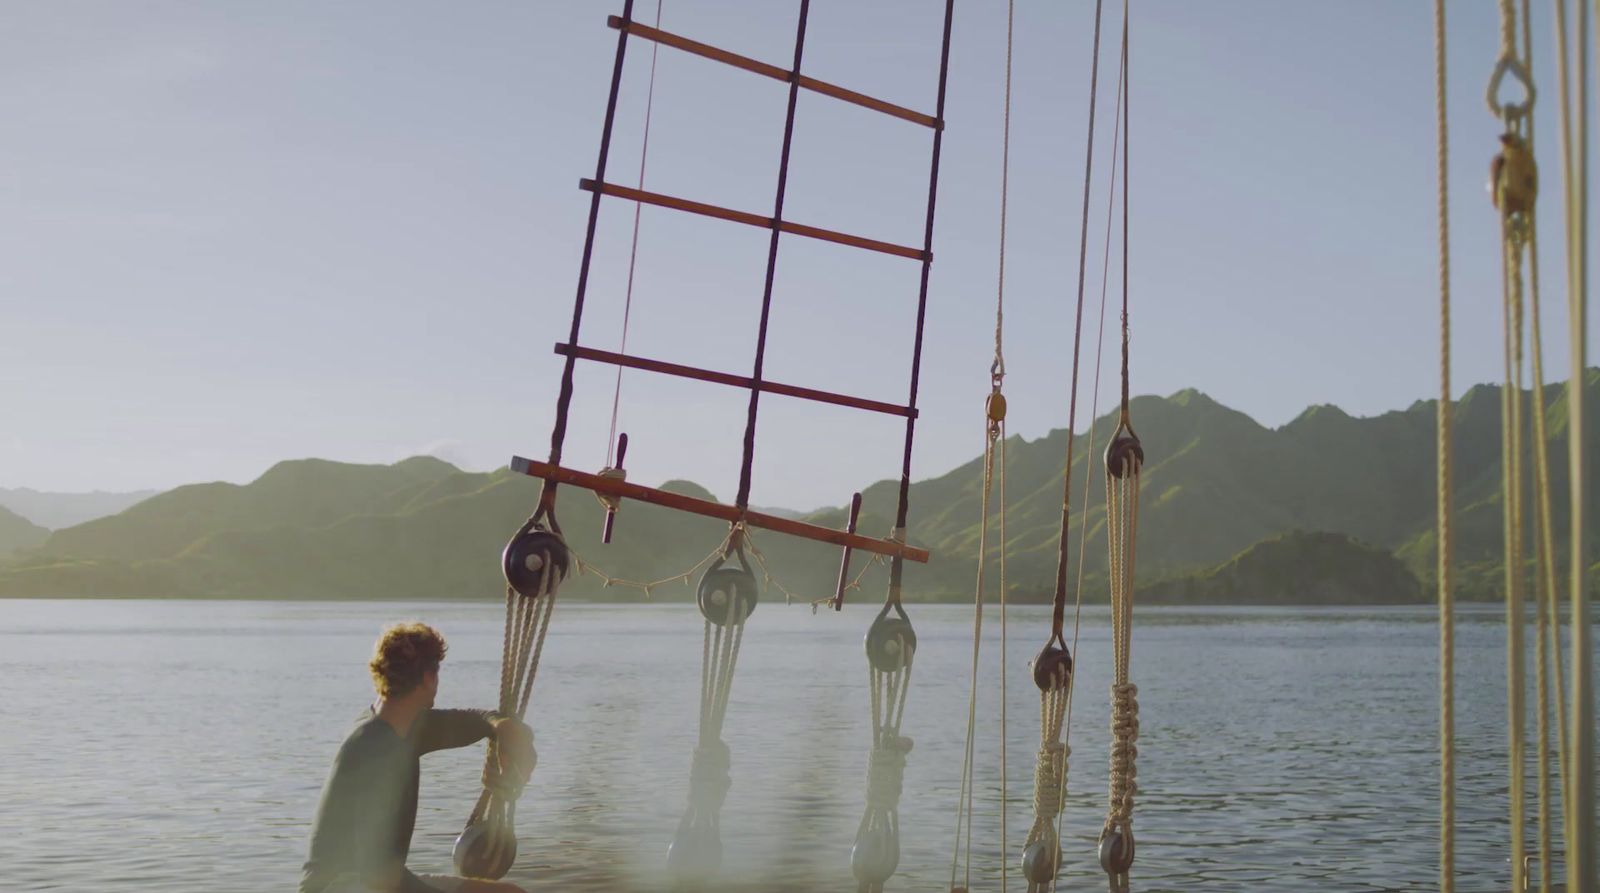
(514, 745)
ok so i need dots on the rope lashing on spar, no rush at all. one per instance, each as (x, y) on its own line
(891, 643)
(727, 595)
(535, 562)
(1124, 464)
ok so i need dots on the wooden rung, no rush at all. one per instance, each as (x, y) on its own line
(798, 229)
(738, 381)
(729, 513)
(772, 71)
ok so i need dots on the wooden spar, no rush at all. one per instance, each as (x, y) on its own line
(749, 219)
(738, 381)
(729, 513)
(706, 51)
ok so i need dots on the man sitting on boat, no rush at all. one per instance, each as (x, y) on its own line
(368, 809)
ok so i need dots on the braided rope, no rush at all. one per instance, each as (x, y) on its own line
(992, 432)
(488, 845)
(1579, 800)
(993, 447)
(1511, 488)
(1447, 787)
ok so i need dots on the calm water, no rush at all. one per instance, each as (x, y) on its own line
(158, 746)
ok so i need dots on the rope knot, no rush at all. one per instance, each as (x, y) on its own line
(611, 502)
(1124, 752)
(1049, 780)
(504, 786)
(708, 776)
(886, 768)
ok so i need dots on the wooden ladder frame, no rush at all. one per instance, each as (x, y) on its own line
(553, 473)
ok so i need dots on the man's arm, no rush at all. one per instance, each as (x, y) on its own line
(445, 729)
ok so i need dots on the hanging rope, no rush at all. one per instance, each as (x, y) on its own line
(1094, 413)
(1547, 622)
(1124, 463)
(1578, 763)
(993, 457)
(633, 249)
(535, 563)
(891, 644)
(1515, 189)
(1447, 781)
(727, 595)
(1052, 667)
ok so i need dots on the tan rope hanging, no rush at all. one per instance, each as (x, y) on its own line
(1578, 762)
(535, 563)
(1447, 778)
(994, 464)
(1515, 189)
(891, 644)
(1124, 464)
(1052, 666)
(727, 595)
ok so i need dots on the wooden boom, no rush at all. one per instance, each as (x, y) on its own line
(729, 513)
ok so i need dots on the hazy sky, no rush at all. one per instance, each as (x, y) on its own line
(233, 233)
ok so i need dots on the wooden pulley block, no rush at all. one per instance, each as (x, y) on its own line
(1514, 176)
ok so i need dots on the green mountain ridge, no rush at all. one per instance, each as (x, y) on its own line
(1216, 484)
(17, 532)
(54, 510)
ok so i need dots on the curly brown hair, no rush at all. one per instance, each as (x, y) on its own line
(404, 654)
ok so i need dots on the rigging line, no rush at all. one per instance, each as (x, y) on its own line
(1510, 440)
(1127, 175)
(633, 251)
(1547, 626)
(1547, 611)
(998, 374)
(1060, 600)
(1005, 863)
(747, 463)
(1579, 794)
(997, 370)
(1094, 413)
(1446, 595)
(964, 803)
(902, 507)
(994, 428)
(558, 433)
(1515, 208)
